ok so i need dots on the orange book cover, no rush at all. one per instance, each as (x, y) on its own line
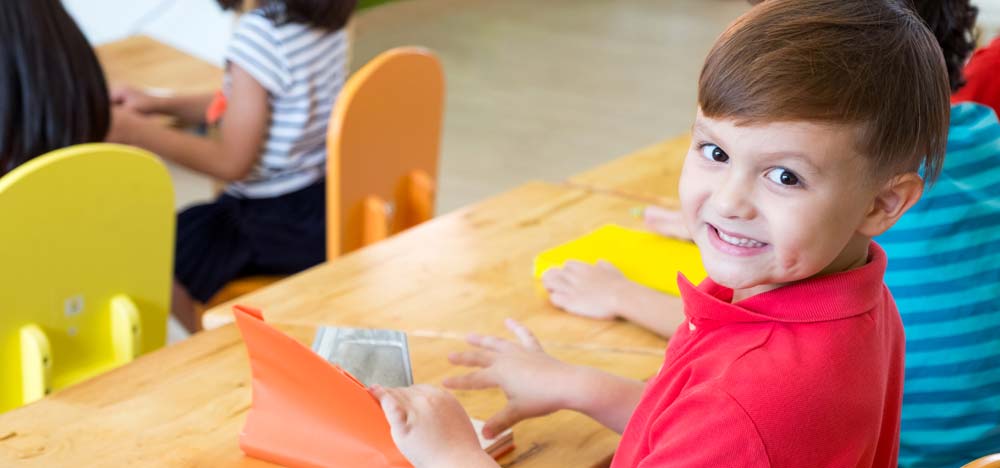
(307, 412)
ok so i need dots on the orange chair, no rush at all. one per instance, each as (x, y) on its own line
(382, 149)
(383, 143)
(989, 461)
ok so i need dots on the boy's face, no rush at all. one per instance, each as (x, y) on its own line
(774, 203)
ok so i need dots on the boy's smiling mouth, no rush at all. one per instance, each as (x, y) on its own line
(734, 244)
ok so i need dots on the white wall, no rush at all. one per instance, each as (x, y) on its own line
(198, 27)
(989, 17)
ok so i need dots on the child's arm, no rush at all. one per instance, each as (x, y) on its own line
(230, 157)
(601, 291)
(431, 428)
(537, 384)
(189, 109)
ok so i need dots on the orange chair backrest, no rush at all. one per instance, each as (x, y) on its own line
(989, 461)
(383, 147)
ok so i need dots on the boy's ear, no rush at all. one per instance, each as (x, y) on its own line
(895, 198)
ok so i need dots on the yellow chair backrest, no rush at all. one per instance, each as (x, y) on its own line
(86, 244)
(382, 148)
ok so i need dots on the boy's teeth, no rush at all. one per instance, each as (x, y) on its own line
(739, 241)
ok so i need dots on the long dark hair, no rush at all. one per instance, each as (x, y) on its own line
(953, 23)
(324, 14)
(52, 89)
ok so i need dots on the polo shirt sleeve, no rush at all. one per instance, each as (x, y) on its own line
(256, 48)
(705, 428)
(981, 83)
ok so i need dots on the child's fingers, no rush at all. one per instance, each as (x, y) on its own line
(477, 380)
(491, 343)
(118, 94)
(576, 266)
(568, 302)
(394, 413)
(606, 265)
(501, 421)
(666, 222)
(659, 213)
(560, 300)
(421, 397)
(471, 359)
(523, 334)
(554, 279)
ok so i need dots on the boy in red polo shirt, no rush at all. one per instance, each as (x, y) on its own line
(814, 119)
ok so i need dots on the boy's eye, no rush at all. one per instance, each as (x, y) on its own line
(780, 175)
(714, 153)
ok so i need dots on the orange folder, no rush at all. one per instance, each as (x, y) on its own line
(307, 412)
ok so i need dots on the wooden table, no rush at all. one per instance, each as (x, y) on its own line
(649, 175)
(462, 272)
(184, 405)
(142, 61)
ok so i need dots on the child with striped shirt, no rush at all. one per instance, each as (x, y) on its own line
(285, 65)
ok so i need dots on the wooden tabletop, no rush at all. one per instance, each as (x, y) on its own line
(649, 175)
(462, 272)
(143, 61)
(184, 405)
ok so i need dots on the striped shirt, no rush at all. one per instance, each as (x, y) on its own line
(303, 69)
(944, 272)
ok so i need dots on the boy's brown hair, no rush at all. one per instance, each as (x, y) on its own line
(870, 63)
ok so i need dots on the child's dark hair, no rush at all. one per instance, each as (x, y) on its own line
(868, 63)
(953, 23)
(325, 14)
(52, 88)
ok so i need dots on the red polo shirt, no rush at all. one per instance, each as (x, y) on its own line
(806, 375)
(982, 84)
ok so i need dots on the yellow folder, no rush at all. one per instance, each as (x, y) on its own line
(644, 257)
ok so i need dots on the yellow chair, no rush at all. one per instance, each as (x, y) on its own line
(86, 244)
(383, 146)
(989, 461)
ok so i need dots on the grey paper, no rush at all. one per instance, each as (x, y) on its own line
(372, 356)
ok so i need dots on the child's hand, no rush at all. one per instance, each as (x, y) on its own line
(669, 223)
(592, 291)
(133, 99)
(535, 383)
(126, 125)
(430, 427)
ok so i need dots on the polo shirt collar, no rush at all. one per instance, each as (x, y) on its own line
(830, 297)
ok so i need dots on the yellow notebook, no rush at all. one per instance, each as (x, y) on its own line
(644, 257)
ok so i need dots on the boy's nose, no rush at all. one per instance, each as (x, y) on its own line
(732, 199)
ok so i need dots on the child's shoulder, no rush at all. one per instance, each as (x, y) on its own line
(257, 26)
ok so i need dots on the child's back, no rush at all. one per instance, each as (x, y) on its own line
(946, 281)
(303, 69)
